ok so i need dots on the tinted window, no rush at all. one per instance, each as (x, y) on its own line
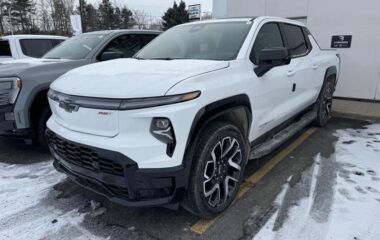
(146, 38)
(296, 40)
(209, 41)
(268, 37)
(5, 50)
(77, 47)
(36, 47)
(125, 45)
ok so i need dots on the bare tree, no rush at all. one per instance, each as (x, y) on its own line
(142, 19)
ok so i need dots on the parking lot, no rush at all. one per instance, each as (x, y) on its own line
(39, 203)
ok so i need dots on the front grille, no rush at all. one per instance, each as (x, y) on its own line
(4, 98)
(83, 157)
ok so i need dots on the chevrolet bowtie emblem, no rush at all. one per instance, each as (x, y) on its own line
(68, 106)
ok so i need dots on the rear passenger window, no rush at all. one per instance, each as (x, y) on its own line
(5, 50)
(36, 47)
(147, 38)
(268, 37)
(295, 39)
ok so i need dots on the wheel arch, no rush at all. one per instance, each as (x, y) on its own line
(39, 101)
(331, 72)
(224, 109)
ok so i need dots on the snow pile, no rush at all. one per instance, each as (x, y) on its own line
(30, 209)
(337, 198)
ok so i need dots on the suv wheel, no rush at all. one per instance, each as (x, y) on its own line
(217, 171)
(324, 104)
(40, 137)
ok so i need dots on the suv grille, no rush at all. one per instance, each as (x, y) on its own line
(83, 157)
(4, 98)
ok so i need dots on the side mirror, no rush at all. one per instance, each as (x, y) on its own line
(270, 58)
(105, 56)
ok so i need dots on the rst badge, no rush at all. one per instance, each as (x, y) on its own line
(68, 106)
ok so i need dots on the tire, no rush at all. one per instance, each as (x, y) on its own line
(40, 127)
(207, 195)
(324, 103)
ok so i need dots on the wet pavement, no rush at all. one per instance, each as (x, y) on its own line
(68, 211)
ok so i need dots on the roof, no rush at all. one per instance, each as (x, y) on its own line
(32, 36)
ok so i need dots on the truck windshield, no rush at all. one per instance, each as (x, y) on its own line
(207, 41)
(76, 47)
(5, 50)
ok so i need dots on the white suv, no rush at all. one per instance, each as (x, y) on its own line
(177, 123)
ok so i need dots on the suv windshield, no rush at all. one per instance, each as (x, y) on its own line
(76, 47)
(207, 41)
(5, 50)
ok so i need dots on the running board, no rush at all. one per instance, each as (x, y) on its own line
(262, 149)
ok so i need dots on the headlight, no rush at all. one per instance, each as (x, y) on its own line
(9, 90)
(137, 103)
(122, 104)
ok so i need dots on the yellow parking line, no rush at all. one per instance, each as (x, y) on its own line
(202, 225)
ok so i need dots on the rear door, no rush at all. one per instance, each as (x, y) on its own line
(272, 91)
(303, 69)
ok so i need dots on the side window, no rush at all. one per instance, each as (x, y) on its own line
(35, 47)
(269, 36)
(5, 49)
(125, 45)
(146, 38)
(56, 42)
(295, 39)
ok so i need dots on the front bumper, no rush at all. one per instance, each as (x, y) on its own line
(116, 176)
(8, 127)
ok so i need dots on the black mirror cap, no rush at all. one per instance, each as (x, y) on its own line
(273, 55)
(105, 56)
(270, 58)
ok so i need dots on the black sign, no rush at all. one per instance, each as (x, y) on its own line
(341, 41)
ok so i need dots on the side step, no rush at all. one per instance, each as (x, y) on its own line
(262, 149)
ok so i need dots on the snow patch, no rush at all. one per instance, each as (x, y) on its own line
(29, 205)
(344, 197)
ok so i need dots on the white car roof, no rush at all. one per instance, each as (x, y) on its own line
(31, 36)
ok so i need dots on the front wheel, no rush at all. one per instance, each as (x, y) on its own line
(40, 128)
(218, 170)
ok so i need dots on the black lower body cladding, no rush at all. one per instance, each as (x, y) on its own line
(116, 176)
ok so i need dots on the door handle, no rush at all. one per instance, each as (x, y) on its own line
(290, 73)
(315, 66)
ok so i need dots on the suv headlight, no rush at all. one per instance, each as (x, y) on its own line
(9, 90)
(137, 103)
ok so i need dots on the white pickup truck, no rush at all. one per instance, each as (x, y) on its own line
(176, 124)
(27, 46)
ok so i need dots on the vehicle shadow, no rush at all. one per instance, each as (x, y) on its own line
(16, 151)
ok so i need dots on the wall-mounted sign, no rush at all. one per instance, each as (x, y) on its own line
(194, 11)
(341, 41)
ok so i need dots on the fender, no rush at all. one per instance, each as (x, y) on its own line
(209, 113)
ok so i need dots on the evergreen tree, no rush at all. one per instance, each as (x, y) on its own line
(106, 14)
(127, 20)
(175, 15)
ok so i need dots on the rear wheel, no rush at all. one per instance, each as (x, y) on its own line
(324, 104)
(217, 171)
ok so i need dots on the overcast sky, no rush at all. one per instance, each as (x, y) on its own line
(158, 7)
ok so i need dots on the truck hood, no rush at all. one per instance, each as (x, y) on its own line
(15, 67)
(132, 78)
